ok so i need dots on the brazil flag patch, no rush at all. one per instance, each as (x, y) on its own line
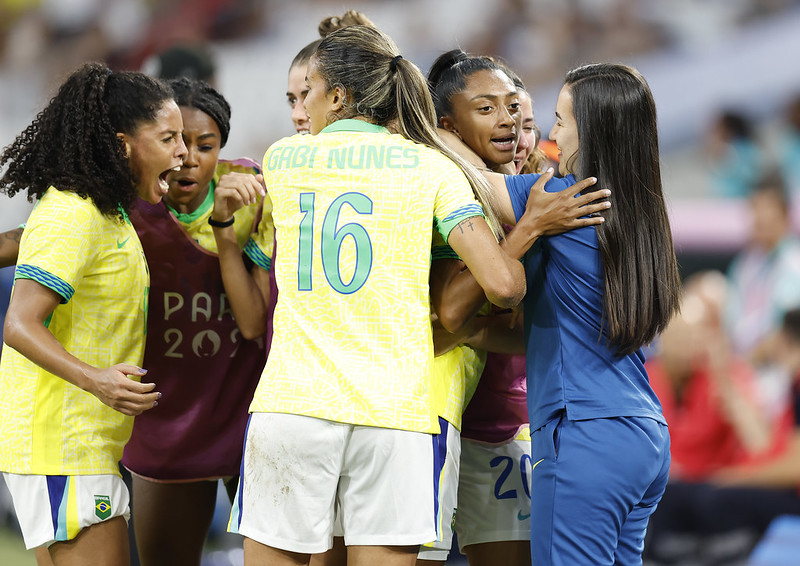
(102, 506)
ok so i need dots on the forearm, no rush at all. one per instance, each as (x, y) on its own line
(784, 471)
(462, 297)
(9, 247)
(751, 426)
(248, 292)
(34, 341)
(495, 334)
(444, 340)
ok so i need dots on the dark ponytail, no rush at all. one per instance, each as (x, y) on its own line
(391, 92)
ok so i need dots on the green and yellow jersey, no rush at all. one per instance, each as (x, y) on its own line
(196, 223)
(96, 264)
(354, 209)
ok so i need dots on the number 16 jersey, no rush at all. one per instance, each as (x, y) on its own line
(354, 209)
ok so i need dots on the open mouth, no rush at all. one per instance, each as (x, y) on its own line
(163, 184)
(186, 183)
(504, 144)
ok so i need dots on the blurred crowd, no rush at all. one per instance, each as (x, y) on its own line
(562, 32)
(727, 370)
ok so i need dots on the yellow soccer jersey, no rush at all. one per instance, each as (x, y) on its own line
(196, 223)
(456, 372)
(354, 209)
(96, 263)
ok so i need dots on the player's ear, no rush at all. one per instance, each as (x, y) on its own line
(338, 98)
(447, 123)
(126, 146)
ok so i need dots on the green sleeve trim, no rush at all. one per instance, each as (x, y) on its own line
(47, 279)
(453, 219)
(443, 252)
(257, 255)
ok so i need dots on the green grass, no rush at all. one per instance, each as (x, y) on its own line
(12, 550)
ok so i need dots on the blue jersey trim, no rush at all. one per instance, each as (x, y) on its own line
(443, 252)
(259, 258)
(47, 279)
(465, 212)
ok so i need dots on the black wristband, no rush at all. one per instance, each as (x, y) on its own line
(217, 224)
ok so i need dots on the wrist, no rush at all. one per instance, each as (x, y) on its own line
(216, 223)
(85, 379)
(520, 239)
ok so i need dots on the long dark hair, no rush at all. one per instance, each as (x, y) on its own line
(390, 91)
(618, 144)
(72, 144)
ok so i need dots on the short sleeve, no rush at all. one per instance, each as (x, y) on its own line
(57, 243)
(440, 249)
(260, 246)
(455, 201)
(519, 187)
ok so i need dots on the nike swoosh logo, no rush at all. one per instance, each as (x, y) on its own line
(122, 243)
(520, 515)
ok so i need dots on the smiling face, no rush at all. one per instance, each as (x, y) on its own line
(527, 136)
(321, 102)
(154, 149)
(486, 115)
(565, 132)
(188, 187)
(296, 92)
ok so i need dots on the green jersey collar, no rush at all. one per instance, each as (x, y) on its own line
(351, 125)
(123, 212)
(208, 202)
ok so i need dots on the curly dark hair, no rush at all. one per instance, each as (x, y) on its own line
(72, 144)
(198, 94)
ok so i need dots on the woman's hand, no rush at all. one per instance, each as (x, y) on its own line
(234, 191)
(554, 213)
(114, 388)
(25, 331)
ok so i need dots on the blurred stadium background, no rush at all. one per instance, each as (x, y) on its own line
(702, 58)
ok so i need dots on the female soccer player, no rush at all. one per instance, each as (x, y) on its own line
(69, 378)
(478, 100)
(530, 158)
(350, 365)
(296, 90)
(204, 368)
(595, 296)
